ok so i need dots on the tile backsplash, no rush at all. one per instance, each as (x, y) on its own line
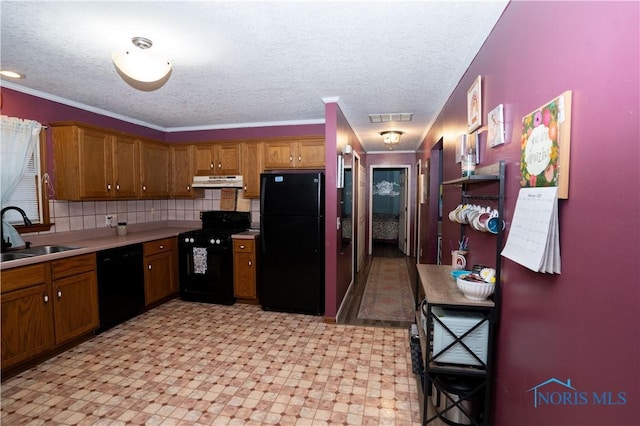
(84, 215)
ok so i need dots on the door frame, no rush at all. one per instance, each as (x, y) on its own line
(407, 198)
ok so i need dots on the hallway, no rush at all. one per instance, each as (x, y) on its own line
(354, 297)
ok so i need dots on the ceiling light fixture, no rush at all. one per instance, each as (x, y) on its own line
(140, 68)
(391, 137)
(11, 74)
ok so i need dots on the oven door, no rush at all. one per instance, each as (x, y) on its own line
(206, 270)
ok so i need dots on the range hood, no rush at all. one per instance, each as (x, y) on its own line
(217, 182)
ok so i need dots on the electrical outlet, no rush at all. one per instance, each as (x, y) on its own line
(108, 221)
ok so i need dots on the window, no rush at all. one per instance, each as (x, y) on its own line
(30, 196)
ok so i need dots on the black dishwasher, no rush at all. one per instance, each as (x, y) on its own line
(120, 285)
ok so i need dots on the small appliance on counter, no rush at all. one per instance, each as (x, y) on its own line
(206, 257)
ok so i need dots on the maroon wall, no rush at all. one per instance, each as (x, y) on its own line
(584, 324)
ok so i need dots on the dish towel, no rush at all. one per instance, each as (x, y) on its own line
(199, 260)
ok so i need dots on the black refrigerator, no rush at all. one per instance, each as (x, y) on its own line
(292, 242)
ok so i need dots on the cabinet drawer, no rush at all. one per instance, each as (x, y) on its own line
(243, 246)
(26, 276)
(159, 246)
(73, 266)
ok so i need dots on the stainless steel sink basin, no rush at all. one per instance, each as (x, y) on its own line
(34, 251)
(13, 255)
(40, 250)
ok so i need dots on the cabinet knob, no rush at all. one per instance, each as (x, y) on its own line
(149, 267)
(245, 187)
(161, 246)
(242, 246)
(117, 187)
(219, 165)
(211, 165)
(144, 187)
(108, 187)
(188, 187)
(46, 298)
(250, 263)
(299, 158)
(59, 293)
(291, 158)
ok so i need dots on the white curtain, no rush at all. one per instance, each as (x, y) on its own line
(18, 139)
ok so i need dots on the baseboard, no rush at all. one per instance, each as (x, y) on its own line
(338, 317)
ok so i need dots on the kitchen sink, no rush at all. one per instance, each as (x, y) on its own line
(40, 250)
(13, 255)
(33, 251)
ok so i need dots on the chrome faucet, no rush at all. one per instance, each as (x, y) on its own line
(7, 244)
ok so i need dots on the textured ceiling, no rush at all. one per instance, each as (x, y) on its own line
(238, 63)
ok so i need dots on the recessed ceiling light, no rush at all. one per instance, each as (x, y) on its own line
(11, 74)
(390, 117)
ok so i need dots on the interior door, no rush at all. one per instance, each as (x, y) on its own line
(402, 213)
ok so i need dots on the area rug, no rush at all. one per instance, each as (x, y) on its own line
(387, 294)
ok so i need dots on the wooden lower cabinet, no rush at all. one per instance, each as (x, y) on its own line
(160, 270)
(245, 270)
(47, 305)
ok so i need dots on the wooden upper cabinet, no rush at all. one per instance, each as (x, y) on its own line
(93, 164)
(126, 154)
(154, 170)
(218, 159)
(298, 154)
(252, 158)
(182, 163)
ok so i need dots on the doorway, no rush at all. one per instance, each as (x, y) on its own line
(389, 215)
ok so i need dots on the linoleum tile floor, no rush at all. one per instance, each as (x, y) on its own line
(188, 363)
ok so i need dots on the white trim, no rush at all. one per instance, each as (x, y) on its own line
(106, 113)
(390, 152)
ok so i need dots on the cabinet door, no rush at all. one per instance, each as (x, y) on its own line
(251, 169)
(95, 164)
(155, 170)
(75, 306)
(278, 155)
(204, 161)
(27, 324)
(126, 162)
(244, 269)
(226, 159)
(182, 171)
(159, 281)
(310, 154)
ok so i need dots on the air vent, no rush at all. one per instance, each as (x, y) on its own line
(387, 118)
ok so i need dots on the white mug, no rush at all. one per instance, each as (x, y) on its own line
(458, 261)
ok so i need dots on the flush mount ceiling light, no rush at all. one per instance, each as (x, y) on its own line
(140, 68)
(11, 74)
(391, 137)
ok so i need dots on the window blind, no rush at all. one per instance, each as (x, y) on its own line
(27, 194)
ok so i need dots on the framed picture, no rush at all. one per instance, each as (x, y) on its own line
(474, 105)
(471, 144)
(546, 143)
(495, 121)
